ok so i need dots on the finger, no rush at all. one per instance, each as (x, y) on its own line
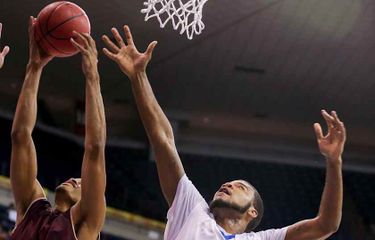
(339, 125)
(89, 39)
(109, 54)
(318, 131)
(1, 28)
(329, 119)
(31, 27)
(82, 39)
(33, 20)
(128, 35)
(118, 37)
(78, 46)
(5, 51)
(343, 130)
(336, 118)
(327, 116)
(110, 44)
(151, 47)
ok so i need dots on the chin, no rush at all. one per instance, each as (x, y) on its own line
(61, 188)
(218, 202)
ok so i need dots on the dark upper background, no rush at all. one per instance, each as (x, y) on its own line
(314, 54)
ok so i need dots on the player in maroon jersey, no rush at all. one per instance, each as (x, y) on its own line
(80, 204)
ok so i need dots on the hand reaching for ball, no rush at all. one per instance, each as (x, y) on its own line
(36, 54)
(87, 46)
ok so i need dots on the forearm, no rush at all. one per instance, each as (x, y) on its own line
(330, 210)
(329, 216)
(154, 120)
(26, 111)
(95, 116)
(160, 134)
(92, 205)
(23, 166)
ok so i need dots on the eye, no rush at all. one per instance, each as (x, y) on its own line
(241, 187)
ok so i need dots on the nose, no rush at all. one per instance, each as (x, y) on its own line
(228, 185)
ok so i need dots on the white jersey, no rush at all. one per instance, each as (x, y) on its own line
(189, 218)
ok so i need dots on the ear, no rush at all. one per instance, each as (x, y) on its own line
(252, 212)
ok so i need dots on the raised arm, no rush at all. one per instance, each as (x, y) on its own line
(4, 52)
(158, 128)
(23, 166)
(90, 211)
(329, 217)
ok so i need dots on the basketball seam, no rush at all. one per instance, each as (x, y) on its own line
(44, 38)
(49, 17)
(49, 33)
(45, 35)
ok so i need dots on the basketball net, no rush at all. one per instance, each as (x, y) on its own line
(185, 17)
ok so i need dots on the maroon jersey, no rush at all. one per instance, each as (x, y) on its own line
(41, 222)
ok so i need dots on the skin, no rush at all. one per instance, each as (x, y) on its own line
(5, 50)
(84, 196)
(170, 169)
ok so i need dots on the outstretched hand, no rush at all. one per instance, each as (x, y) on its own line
(126, 55)
(4, 52)
(87, 46)
(37, 55)
(331, 145)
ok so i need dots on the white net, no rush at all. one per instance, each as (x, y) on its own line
(185, 15)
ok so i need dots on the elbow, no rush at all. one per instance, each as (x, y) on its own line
(20, 135)
(161, 138)
(334, 228)
(329, 229)
(163, 141)
(94, 149)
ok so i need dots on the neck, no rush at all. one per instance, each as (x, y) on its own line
(233, 224)
(62, 207)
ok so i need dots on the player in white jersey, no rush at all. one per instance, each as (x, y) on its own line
(236, 208)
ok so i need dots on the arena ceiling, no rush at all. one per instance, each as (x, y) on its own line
(257, 62)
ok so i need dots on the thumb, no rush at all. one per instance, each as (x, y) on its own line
(32, 22)
(151, 47)
(5, 51)
(318, 131)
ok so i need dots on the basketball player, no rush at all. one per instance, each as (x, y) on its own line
(236, 208)
(80, 204)
(4, 52)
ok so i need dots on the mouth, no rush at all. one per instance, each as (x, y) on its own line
(224, 190)
(70, 183)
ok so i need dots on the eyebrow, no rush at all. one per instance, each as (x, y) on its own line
(247, 187)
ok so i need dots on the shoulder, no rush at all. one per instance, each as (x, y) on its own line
(37, 206)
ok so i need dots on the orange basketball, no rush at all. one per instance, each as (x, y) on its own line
(55, 25)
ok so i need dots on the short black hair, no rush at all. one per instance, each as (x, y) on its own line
(257, 203)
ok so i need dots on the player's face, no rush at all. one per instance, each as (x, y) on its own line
(236, 193)
(70, 190)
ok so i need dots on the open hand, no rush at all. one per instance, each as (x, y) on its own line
(126, 55)
(332, 144)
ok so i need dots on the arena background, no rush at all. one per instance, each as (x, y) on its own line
(242, 98)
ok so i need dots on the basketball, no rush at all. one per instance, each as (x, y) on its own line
(55, 25)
